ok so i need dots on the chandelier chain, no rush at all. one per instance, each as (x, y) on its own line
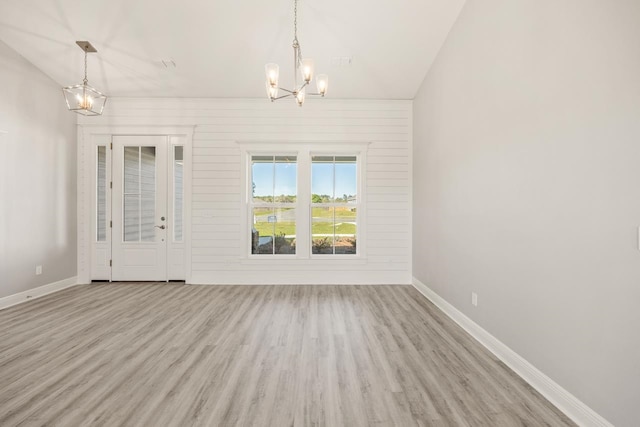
(296, 43)
(295, 21)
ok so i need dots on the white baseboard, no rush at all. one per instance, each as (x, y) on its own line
(575, 409)
(38, 292)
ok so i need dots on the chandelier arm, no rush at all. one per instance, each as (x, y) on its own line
(287, 90)
(283, 96)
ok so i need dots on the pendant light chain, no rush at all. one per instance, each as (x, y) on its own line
(295, 22)
(85, 67)
(296, 44)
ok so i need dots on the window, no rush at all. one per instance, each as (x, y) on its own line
(304, 204)
(101, 194)
(334, 205)
(178, 192)
(273, 205)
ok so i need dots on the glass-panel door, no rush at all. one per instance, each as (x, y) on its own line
(140, 223)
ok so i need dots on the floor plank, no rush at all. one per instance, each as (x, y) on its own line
(149, 354)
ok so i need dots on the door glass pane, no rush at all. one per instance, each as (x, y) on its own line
(139, 194)
(178, 192)
(148, 193)
(131, 229)
(131, 170)
(101, 194)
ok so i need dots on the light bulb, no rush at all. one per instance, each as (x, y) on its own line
(272, 91)
(272, 71)
(84, 102)
(322, 83)
(307, 70)
(300, 97)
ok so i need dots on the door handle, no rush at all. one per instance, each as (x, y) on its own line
(161, 227)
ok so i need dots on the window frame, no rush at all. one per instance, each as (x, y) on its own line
(335, 204)
(251, 204)
(303, 152)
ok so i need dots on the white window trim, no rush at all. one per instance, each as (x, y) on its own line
(249, 204)
(303, 152)
(360, 169)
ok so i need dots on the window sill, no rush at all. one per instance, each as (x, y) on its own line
(295, 260)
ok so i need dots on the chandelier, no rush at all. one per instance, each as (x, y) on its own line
(84, 99)
(304, 66)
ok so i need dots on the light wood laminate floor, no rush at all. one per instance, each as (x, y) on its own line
(138, 354)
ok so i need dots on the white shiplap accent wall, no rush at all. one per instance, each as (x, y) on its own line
(220, 124)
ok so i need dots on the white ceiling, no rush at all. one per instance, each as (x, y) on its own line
(220, 47)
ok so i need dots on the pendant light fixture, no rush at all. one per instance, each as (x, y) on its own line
(84, 99)
(304, 66)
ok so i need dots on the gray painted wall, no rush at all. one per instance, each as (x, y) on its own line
(527, 187)
(37, 178)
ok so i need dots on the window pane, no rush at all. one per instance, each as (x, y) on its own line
(262, 231)
(147, 219)
(131, 229)
(321, 181)
(322, 230)
(262, 173)
(285, 188)
(285, 231)
(345, 230)
(139, 205)
(101, 195)
(274, 231)
(333, 179)
(131, 214)
(131, 170)
(148, 193)
(345, 180)
(178, 192)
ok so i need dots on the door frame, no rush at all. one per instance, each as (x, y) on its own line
(89, 137)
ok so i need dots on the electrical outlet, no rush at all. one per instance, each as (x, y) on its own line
(474, 299)
(38, 270)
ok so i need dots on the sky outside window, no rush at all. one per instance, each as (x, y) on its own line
(274, 176)
(285, 172)
(322, 182)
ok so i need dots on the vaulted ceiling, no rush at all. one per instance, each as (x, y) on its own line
(370, 49)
